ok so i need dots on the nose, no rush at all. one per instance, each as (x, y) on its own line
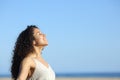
(44, 35)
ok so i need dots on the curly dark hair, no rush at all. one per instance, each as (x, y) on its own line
(22, 48)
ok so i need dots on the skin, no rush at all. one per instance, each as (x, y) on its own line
(28, 66)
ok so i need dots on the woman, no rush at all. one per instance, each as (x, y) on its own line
(27, 60)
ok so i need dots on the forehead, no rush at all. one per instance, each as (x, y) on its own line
(36, 30)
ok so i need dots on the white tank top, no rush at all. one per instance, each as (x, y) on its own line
(41, 72)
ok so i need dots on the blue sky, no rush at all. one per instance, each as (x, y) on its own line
(83, 35)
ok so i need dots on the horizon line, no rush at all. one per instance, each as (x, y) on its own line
(92, 74)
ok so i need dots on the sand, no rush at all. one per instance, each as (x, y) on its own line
(70, 78)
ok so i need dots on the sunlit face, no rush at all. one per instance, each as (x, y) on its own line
(40, 38)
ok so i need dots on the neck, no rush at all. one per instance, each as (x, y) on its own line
(37, 52)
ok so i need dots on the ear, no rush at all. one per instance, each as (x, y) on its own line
(34, 42)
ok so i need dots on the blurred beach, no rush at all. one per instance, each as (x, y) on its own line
(75, 78)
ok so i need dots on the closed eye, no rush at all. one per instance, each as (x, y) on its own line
(39, 33)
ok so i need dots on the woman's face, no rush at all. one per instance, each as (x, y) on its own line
(40, 38)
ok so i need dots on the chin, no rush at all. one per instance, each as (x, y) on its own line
(45, 44)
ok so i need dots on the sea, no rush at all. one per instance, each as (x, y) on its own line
(78, 75)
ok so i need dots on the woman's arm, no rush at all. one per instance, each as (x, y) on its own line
(24, 69)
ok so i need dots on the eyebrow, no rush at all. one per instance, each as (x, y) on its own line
(38, 32)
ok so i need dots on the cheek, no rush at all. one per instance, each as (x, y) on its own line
(39, 37)
(39, 40)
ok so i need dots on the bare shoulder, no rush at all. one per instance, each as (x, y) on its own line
(28, 62)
